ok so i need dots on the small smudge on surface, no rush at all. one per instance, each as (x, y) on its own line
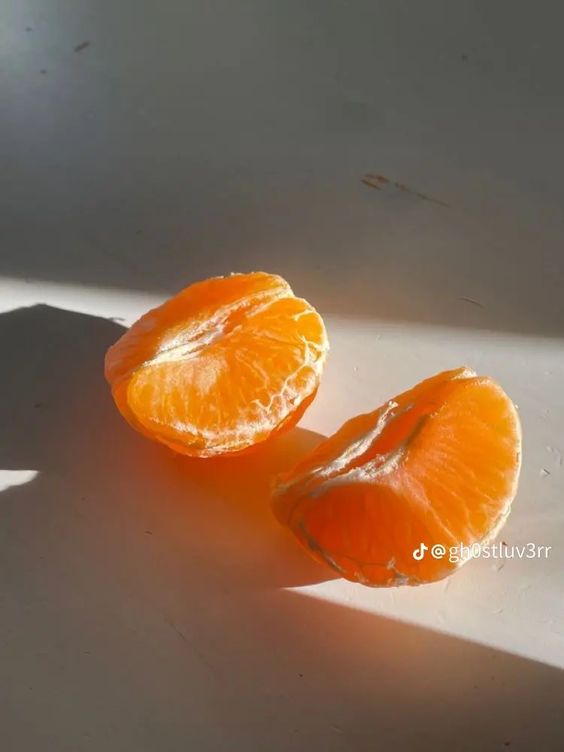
(380, 182)
(544, 472)
(82, 46)
(375, 181)
(473, 301)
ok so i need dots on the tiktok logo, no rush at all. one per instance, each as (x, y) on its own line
(419, 553)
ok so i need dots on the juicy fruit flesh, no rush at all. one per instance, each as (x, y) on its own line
(221, 366)
(436, 465)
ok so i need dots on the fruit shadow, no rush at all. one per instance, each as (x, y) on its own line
(219, 507)
(144, 603)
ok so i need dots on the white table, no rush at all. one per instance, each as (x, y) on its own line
(149, 602)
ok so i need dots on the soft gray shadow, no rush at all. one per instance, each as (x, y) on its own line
(219, 137)
(142, 603)
(58, 418)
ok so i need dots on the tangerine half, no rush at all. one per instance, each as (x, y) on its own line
(221, 366)
(399, 496)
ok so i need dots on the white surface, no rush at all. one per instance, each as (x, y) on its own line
(148, 602)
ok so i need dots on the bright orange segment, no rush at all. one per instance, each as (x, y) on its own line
(221, 366)
(437, 465)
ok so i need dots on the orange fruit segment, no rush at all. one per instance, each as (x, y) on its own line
(438, 465)
(221, 366)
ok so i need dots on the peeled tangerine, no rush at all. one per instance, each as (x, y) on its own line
(220, 367)
(392, 497)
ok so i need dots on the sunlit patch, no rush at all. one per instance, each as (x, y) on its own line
(517, 608)
(11, 478)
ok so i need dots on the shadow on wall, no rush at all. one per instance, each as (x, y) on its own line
(143, 603)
